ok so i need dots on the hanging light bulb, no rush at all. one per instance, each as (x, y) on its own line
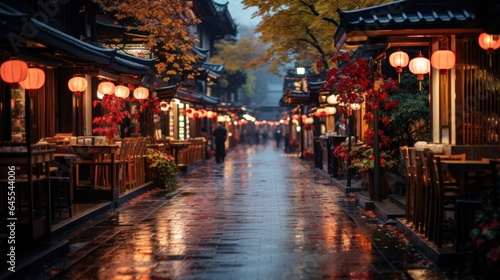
(399, 59)
(420, 66)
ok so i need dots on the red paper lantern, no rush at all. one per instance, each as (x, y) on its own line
(420, 66)
(77, 84)
(34, 80)
(399, 59)
(141, 93)
(106, 88)
(443, 60)
(489, 43)
(122, 91)
(14, 71)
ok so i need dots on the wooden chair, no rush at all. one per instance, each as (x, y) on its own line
(442, 201)
(410, 182)
(419, 190)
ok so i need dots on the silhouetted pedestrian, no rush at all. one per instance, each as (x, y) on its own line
(220, 135)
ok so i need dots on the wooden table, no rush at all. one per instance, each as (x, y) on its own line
(176, 147)
(94, 156)
(471, 175)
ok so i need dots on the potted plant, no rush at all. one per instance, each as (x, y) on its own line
(164, 167)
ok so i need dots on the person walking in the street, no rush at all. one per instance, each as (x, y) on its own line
(220, 135)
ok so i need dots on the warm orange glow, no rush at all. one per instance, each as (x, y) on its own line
(34, 80)
(122, 91)
(141, 93)
(77, 84)
(420, 66)
(106, 88)
(14, 71)
(443, 60)
(399, 59)
(489, 42)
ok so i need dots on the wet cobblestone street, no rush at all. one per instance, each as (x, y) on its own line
(260, 214)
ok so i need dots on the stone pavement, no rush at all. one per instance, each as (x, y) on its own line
(261, 214)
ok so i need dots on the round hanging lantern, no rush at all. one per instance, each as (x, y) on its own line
(189, 112)
(196, 114)
(399, 59)
(141, 93)
(355, 106)
(332, 99)
(295, 117)
(443, 60)
(489, 43)
(164, 106)
(122, 91)
(211, 114)
(331, 110)
(203, 113)
(77, 84)
(420, 66)
(34, 80)
(106, 88)
(14, 71)
(309, 120)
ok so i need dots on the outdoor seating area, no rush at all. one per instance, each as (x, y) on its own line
(444, 194)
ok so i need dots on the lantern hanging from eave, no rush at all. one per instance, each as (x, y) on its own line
(164, 106)
(14, 71)
(489, 42)
(122, 91)
(420, 66)
(331, 110)
(141, 93)
(332, 99)
(34, 80)
(443, 60)
(77, 84)
(211, 114)
(106, 88)
(203, 113)
(399, 59)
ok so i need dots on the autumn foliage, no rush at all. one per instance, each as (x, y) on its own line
(114, 114)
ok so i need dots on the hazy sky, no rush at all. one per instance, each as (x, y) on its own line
(240, 16)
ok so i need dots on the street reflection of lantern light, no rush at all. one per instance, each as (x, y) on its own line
(443, 60)
(398, 60)
(420, 66)
(489, 42)
(14, 71)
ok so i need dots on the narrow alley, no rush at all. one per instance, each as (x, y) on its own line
(261, 214)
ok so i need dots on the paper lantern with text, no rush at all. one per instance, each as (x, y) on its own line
(443, 60)
(34, 80)
(106, 88)
(141, 93)
(14, 71)
(77, 84)
(398, 60)
(420, 66)
(122, 91)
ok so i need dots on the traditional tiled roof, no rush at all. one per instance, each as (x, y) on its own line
(13, 23)
(213, 70)
(405, 18)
